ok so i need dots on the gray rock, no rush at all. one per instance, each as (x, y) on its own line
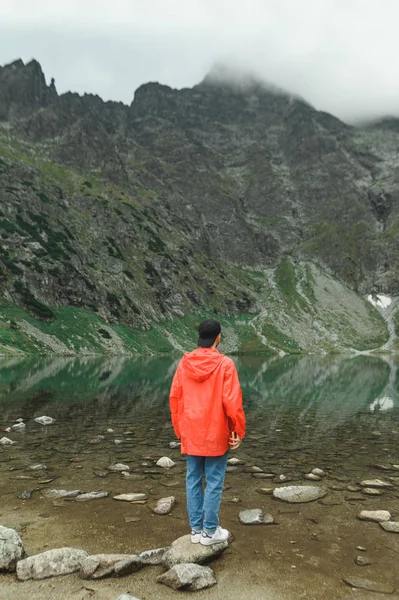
(374, 515)
(366, 584)
(18, 427)
(133, 476)
(235, 461)
(52, 563)
(11, 549)
(377, 483)
(255, 516)
(51, 494)
(164, 505)
(299, 493)
(371, 491)
(391, 526)
(44, 420)
(5, 441)
(174, 445)
(188, 576)
(127, 597)
(91, 496)
(97, 566)
(130, 497)
(118, 467)
(312, 476)
(165, 462)
(318, 472)
(25, 495)
(362, 561)
(38, 467)
(153, 557)
(183, 551)
(265, 491)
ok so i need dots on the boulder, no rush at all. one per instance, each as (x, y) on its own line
(188, 576)
(183, 551)
(255, 516)
(153, 557)
(299, 493)
(391, 526)
(163, 506)
(98, 566)
(11, 549)
(52, 563)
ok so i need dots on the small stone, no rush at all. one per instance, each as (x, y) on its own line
(188, 576)
(372, 586)
(51, 494)
(312, 476)
(132, 519)
(354, 488)
(52, 563)
(265, 491)
(235, 461)
(133, 476)
(4, 441)
(263, 476)
(164, 505)
(235, 500)
(165, 462)
(98, 566)
(255, 516)
(25, 495)
(256, 469)
(91, 496)
(153, 557)
(371, 491)
(374, 515)
(97, 439)
(377, 483)
(118, 467)
(361, 548)
(127, 597)
(109, 430)
(174, 445)
(362, 561)
(319, 472)
(391, 526)
(282, 478)
(299, 493)
(11, 549)
(18, 427)
(44, 420)
(8, 430)
(38, 467)
(117, 442)
(130, 497)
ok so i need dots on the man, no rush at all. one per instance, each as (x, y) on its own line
(207, 416)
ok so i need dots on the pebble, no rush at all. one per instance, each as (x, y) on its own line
(117, 442)
(235, 461)
(165, 462)
(374, 515)
(361, 548)
(371, 491)
(132, 519)
(377, 483)
(44, 420)
(164, 505)
(133, 476)
(312, 476)
(362, 561)
(174, 445)
(354, 488)
(319, 472)
(255, 516)
(18, 427)
(38, 467)
(91, 496)
(127, 597)
(263, 475)
(109, 430)
(25, 495)
(51, 494)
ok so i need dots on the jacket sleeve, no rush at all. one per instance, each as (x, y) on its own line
(174, 400)
(232, 399)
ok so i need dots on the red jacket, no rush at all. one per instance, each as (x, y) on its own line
(206, 402)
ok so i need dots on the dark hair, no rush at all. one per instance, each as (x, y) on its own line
(208, 331)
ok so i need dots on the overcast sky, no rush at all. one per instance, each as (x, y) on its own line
(340, 55)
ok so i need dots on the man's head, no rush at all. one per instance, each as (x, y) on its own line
(209, 333)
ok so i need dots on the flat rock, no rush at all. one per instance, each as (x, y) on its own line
(265, 491)
(377, 483)
(374, 515)
(312, 477)
(5, 441)
(318, 472)
(165, 463)
(263, 475)
(11, 549)
(118, 467)
(51, 494)
(164, 505)
(38, 467)
(391, 526)
(188, 576)
(127, 597)
(91, 496)
(235, 461)
(52, 563)
(44, 420)
(183, 551)
(174, 445)
(362, 561)
(367, 584)
(299, 493)
(18, 427)
(130, 497)
(255, 516)
(153, 557)
(133, 476)
(97, 566)
(371, 491)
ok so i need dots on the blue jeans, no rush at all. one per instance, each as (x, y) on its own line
(203, 506)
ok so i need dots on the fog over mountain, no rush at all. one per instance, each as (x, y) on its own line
(338, 55)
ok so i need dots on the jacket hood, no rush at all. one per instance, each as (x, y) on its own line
(201, 363)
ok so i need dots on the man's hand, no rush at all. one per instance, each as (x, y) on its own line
(234, 441)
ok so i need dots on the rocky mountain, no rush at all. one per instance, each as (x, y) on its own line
(231, 198)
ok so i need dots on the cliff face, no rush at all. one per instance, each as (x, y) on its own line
(188, 200)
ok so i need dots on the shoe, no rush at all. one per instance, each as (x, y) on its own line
(220, 535)
(195, 536)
